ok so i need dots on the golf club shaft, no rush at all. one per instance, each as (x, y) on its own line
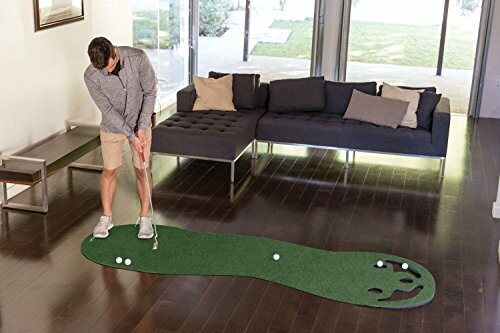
(149, 195)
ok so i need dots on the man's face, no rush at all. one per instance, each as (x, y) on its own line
(111, 64)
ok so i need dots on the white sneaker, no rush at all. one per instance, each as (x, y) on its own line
(145, 228)
(101, 229)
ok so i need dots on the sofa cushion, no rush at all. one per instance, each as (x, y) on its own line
(213, 94)
(338, 94)
(263, 95)
(426, 106)
(408, 95)
(375, 109)
(245, 88)
(306, 94)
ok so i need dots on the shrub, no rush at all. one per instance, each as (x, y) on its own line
(213, 15)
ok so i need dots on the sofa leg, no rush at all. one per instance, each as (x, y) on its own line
(269, 148)
(232, 172)
(178, 161)
(231, 192)
(443, 164)
(254, 149)
(347, 159)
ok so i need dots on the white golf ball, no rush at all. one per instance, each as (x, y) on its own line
(128, 262)
(276, 257)
(380, 263)
(118, 260)
(404, 266)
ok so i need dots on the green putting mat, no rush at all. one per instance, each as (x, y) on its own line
(352, 277)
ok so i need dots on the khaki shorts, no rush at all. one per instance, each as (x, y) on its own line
(112, 144)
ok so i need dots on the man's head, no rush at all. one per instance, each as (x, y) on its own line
(102, 54)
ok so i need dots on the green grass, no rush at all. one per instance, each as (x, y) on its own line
(372, 42)
(298, 44)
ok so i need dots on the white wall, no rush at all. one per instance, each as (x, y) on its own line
(41, 81)
(490, 103)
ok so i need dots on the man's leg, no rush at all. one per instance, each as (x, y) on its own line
(108, 188)
(142, 190)
(111, 146)
(145, 229)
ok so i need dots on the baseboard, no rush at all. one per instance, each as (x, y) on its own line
(496, 210)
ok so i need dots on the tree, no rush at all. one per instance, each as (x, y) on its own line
(468, 6)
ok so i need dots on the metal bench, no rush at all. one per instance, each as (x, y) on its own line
(34, 164)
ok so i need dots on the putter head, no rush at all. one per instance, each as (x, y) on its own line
(155, 246)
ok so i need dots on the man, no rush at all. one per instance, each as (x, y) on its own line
(122, 84)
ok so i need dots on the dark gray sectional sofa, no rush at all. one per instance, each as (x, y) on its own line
(310, 116)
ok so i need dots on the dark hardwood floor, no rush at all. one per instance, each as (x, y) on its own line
(384, 203)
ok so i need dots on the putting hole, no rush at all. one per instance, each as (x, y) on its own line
(399, 295)
(406, 280)
(375, 290)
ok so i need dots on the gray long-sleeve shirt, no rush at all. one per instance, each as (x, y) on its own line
(126, 100)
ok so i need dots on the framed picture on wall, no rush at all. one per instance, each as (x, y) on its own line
(51, 13)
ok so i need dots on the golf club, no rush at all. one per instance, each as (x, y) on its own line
(155, 244)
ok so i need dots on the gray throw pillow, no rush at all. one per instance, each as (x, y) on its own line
(375, 109)
(338, 94)
(306, 94)
(245, 89)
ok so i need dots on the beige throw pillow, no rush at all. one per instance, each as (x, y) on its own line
(375, 109)
(213, 94)
(410, 96)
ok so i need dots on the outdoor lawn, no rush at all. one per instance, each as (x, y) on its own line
(371, 42)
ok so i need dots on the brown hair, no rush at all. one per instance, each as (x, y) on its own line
(99, 51)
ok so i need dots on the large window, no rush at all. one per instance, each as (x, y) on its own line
(160, 27)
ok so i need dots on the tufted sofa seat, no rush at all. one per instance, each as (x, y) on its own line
(215, 135)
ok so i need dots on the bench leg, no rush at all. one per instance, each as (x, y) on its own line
(347, 159)
(45, 192)
(44, 208)
(4, 193)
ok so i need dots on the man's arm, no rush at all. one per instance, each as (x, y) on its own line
(148, 84)
(108, 111)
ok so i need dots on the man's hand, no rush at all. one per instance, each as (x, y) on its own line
(140, 140)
